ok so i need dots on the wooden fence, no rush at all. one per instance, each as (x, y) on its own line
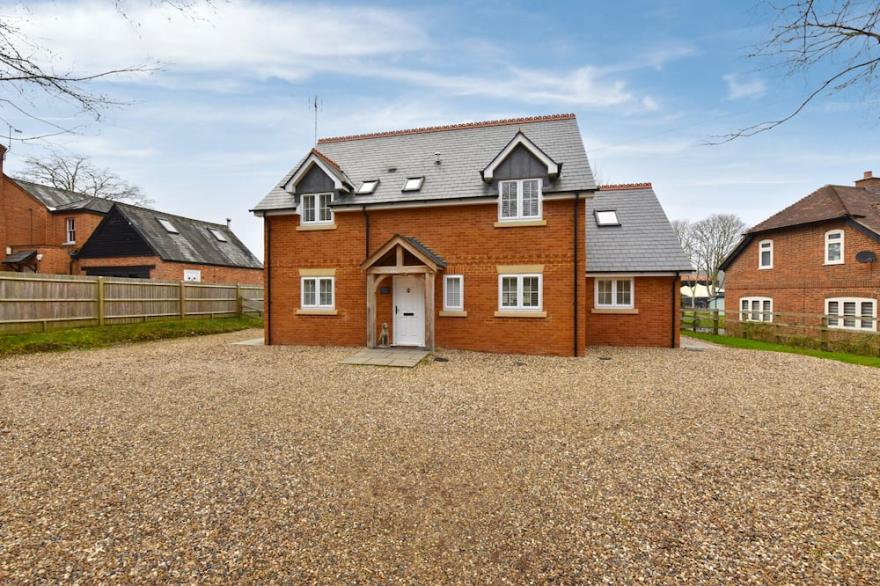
(30, 301)
(808, 330)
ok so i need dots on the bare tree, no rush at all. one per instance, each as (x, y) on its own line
(684, 229)
(840, 35)
(78, 173)
(713, 239)
(27, 68)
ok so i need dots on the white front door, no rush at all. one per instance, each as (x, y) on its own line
(409, 310)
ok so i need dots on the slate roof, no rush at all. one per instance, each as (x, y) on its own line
(193, 243)
(644, 241)
(465, 150)
(830, 202)
(436, 258)
(54, 198)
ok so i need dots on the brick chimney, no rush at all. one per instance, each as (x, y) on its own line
(869, 182)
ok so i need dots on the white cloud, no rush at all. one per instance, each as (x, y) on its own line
(739, 87)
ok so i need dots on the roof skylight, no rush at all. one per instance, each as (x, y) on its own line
(413, 184)
(169, 227)
(607, 218)
(218, 234)
(368, 187)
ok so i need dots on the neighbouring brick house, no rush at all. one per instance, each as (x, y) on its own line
(488, 236)
(817, 257)
(48, 230)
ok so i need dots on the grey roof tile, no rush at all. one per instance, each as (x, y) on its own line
(464, 151)
(644, 241)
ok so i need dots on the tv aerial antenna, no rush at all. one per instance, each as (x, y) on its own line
(316, 104)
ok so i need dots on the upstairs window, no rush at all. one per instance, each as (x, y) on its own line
(368, 187)
(765, 254)
(169, 227)
(851, 313)
(70, 230)
(834, 247)
(614, 293)
(607, 218)
(519, 200)
(220, 236)
(413, 184)
(756, 309)
(316, 208)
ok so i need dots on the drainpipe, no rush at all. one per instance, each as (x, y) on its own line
(575, 272)
(267, 291)
(675, 291)
(366, 232)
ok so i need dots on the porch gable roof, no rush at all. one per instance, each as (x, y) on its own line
(415, 247)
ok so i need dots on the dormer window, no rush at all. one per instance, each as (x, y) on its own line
(413, 184)
(169, 227)
(316, 208)
(368, 187)
(607, 218)
(519, 200)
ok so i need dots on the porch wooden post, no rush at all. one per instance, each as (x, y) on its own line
(371, 310)
(429, 310)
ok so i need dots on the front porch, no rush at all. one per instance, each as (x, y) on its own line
(412, 268)
(398, 357)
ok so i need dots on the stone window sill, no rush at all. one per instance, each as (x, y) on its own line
(316, 312)
(520, 223)
(617, 310)
(531, 314)
(315, 227)
(451, 313)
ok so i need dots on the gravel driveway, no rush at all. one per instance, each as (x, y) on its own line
(197, 460)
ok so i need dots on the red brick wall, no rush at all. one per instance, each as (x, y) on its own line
(466, 238)
(23, 220)
(653, 324)
(173, 271)
(799, 282)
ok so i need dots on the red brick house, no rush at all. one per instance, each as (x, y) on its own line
(489, 236)
(48, 230)
(817, 257)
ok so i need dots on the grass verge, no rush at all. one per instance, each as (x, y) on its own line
(101, 337)
(735, 342)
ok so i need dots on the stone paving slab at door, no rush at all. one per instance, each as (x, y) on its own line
(399, 357)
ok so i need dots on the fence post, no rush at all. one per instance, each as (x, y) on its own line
(716, 321)
(239, 301)
(823, 334)
(695, 325)
(101, 310)
(182, 298)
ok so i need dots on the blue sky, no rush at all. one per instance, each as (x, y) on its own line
(225, 112)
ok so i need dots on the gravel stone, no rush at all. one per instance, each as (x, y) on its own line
(196, 460)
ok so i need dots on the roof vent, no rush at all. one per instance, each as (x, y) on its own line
(392, 169)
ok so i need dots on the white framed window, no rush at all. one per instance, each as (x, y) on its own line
(317, 293)
(70, 230)
(520, 292)
(519, 199)
(169, 227)
(413, 183)
(607, 218)
(368, 187)
(618, 293)
(756, 309)
(851, 313)
(192, 276)
(316, 208)
(834, 247)
(453, 293)
(218, 234)
(765, 254)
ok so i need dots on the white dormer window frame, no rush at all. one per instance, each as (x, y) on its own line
(506, 204)
(833, 237)
(520, 139)
(314, 209)
(311, 161)
(765, 246)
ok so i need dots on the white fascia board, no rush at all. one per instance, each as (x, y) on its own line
(290, 186)
(520, 139)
